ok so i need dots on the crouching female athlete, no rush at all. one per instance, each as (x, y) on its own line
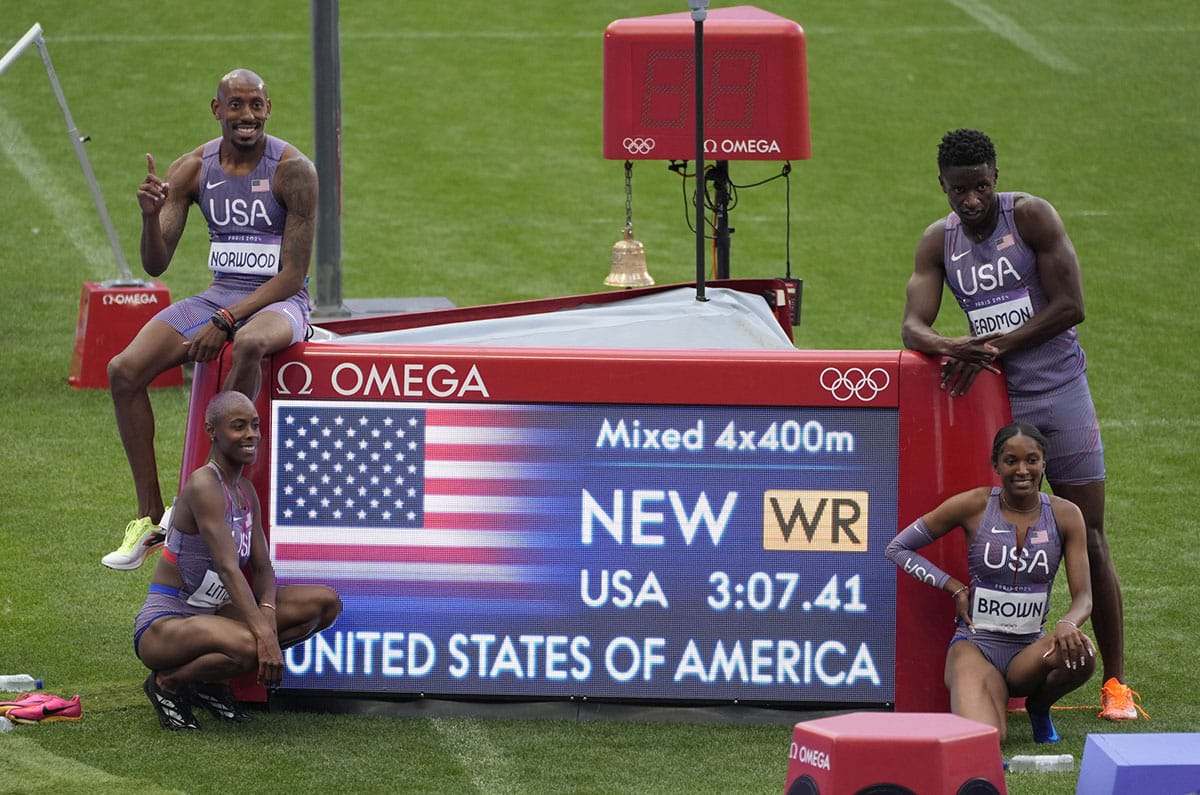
(1016, 536)
(202, 623)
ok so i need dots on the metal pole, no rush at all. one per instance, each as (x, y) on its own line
(327, 143)
(34, 36)
(720, 179)
(699, 12)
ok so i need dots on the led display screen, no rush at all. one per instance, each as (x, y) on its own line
(627, 551)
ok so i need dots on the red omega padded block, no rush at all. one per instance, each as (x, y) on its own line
(884, 752)
(110, 317)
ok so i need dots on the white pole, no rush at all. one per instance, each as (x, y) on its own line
(34, 36)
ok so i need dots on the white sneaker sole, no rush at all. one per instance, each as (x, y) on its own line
(130, 561)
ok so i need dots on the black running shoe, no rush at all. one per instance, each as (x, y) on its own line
(173, 710)
(218, 699)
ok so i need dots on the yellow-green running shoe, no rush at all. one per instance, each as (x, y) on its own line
(142, 536)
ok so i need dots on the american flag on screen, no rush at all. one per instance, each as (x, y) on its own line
(395, 500)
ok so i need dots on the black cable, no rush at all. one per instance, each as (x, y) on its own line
(680, 168)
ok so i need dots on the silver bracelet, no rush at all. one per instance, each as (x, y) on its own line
(1067, 621)
(956, 593)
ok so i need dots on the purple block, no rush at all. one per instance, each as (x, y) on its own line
(1135, 764)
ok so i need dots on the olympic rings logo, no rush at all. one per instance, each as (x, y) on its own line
(855, 382)
(638, 146)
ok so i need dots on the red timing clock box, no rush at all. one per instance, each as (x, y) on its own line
(755, 81)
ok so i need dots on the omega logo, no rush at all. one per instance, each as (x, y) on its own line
(129, 299)
(740, 146)
(412, 379)
(281, 384)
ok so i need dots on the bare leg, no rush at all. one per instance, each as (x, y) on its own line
(1108, 612)
(263, 334)
(1044, 680)
(156, 349)
(977, 689)
(197, 648)
(213, 667)
(208, 648)
(135, 423)
(304, 610)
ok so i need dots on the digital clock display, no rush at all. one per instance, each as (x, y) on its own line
(623, 551)
(755, 99)
(669, 74)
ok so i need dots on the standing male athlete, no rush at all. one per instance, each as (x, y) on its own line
(1008, 261)
(259, 197)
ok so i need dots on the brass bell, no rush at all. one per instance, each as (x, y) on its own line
(628, 263)
(628, 255)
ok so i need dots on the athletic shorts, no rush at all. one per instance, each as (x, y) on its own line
(1067, 417)
(998, 647)
(162, 601)
(189, 315)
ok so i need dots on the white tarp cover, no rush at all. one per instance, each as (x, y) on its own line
(729, 319)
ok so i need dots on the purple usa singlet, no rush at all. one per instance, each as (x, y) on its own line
(245, 222)
(1010, 585)
(996, 283)
(202, 586)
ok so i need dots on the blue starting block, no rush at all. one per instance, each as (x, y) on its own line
(1133, 764)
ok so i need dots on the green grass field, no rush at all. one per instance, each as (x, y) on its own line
(473, 170)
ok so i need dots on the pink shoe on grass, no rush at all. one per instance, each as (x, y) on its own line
(24, 700)
(48, 711)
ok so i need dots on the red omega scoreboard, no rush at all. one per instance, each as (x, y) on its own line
(663, 526)
(755, 87)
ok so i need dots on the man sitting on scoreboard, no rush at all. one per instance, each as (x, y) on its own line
(258, 194)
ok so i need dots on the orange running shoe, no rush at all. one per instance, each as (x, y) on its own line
(1116, 702)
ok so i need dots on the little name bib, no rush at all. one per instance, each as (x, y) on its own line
(1002, 314)
(211, 593)
(260, 258)
(1004, 611)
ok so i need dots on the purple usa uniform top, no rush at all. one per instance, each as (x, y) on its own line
(996, 283)
(1010, 584)
(245, 222)
(202, 586)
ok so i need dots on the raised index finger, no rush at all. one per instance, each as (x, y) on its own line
(150, 164)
